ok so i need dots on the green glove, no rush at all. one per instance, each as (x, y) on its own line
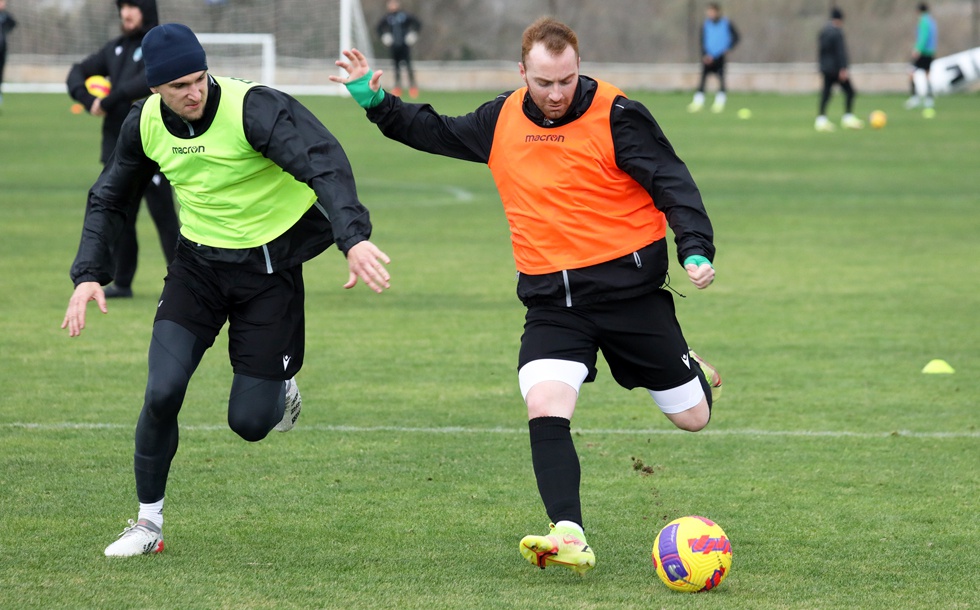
(360, 90)
(697, 259)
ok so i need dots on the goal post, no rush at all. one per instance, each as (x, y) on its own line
(267, 61)
(229, 54)
(235, 54)
(354, 33)
(354, 28)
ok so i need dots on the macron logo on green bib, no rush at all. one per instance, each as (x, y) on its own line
(187, 150)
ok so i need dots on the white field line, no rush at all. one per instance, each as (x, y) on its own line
(522, 431)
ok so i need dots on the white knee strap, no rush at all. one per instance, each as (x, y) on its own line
(549, 369)
(678, 399)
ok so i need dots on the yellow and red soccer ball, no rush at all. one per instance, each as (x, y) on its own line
(877, 119)
(692, 554)
(98, 86)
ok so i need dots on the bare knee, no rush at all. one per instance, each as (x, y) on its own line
(551, 399)
(693, 419)
(550, 387)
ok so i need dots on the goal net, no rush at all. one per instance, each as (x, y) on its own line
(290, 44)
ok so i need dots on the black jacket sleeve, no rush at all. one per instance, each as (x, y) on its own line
(289, 135)
(468, 137)
(734, 34)
(114, 195)
(643, 152)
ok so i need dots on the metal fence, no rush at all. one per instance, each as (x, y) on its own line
(630, 31)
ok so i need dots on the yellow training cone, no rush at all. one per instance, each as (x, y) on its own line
(938, 366)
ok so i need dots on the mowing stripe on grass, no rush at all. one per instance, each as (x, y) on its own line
(462, 430)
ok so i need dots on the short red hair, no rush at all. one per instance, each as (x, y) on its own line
(553, 34)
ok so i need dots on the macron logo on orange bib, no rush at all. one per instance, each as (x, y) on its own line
(540, 138)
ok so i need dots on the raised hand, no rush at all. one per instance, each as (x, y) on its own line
(356, 65)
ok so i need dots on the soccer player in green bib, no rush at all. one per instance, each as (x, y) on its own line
(263, 187)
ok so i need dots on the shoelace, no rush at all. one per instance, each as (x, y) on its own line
(132, 526)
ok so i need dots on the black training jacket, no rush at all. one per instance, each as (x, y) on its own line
(831, 50)
(642, 151)
(121, 60)
(277, 126)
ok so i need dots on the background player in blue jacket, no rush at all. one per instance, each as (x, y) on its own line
(718, 37)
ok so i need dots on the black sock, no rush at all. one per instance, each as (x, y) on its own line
(556, 468)
(704, 386)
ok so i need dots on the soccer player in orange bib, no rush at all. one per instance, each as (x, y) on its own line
(589, 185)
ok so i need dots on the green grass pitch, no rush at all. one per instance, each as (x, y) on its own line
(844, 477)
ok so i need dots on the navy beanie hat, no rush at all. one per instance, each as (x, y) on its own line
(171, 51)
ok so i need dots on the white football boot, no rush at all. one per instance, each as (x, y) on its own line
(697, 103)
(823, 124)
(140, 538)
(849, 121)
(294, 403)
(719, 104)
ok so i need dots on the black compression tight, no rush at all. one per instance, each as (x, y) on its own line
(255, 406)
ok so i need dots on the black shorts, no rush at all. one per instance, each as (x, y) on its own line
(266, 323)
(640, 339)
(923, 62)
(716, 66)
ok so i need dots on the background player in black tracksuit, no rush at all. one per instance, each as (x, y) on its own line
(121, 61)
(398, 31)
(7, 23)
(834, 62)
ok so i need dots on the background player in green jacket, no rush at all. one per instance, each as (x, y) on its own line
(926, 39)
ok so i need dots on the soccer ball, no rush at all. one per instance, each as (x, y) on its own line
(98, 86)
(878, 119)
(692, 554)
